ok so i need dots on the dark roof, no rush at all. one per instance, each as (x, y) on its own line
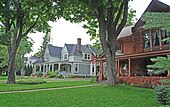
(154, 6)
(127, 31)
(72, 49)
(33, 57)
(40, 60)
(54, 51)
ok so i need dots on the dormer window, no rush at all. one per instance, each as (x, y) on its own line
(87, 56)
(65, 56)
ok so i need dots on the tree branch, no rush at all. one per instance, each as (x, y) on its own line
(118, 14)
(124, 20)
(30, 28)
(110, 15)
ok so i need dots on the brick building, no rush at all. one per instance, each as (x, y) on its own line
(135, 47)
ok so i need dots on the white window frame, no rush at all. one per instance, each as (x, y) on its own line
(65, 56)
(87, 56)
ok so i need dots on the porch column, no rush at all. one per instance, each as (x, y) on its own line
(49, 67)
(46, 69)
(129, 69)
(34, 69)
(43, 69)
(94, 68)
(91, 68)
(53, 67)
(118, 67)
(168, 75)
(59, 66)
(101, 71)
(40, 68)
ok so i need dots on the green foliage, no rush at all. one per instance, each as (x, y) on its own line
(28, 70)
(3, 55)
(52, 74)
(93, 79)
(46, 40)
(157, 20)
(60, 76)
(95, 96)
(162, 94)
(160, 64)
(165, 82)
(31, 81)
(21, 17)
(39, 73)
(70, 76)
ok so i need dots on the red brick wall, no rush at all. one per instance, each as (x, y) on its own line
(141, 80)
(128, 47)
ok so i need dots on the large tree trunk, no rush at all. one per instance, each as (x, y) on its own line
(111, 67)
(109, 51)
(11, 64)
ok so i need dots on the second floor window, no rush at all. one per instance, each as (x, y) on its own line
(65, 56)
(155, 38)
(146, 37)
(87, 56)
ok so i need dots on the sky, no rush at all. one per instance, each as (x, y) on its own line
(65, 32)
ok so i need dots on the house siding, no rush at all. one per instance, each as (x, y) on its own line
(84, 69)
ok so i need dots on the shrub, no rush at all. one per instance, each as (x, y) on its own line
(31, 81)
(39, 73)
(147, 85)
(60, 76)
(93, 79)
(162, 94)
(70, 76)
(52, 74)
(165, 82)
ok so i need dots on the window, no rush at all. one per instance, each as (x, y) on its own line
(165, 34)
(65, 56)
(146, 37)
(87, 56)
(155, 38)
(76, 68)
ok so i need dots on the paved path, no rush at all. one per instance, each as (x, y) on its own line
(46, 89)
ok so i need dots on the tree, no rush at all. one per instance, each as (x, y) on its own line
(160, 64)
(157, 20)
(24, 48)
(96, 37)
(20, 17)
(110, 16)
(46, 40)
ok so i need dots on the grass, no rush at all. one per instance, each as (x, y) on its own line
(55, 84)
(97, 96)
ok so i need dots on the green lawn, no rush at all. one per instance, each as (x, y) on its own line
(54, 84)
(96, 96)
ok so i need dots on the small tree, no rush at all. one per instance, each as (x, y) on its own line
(161, 64)
(162, 94)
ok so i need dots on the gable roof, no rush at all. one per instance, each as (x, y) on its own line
(154, 6)
(127, 31)
(54, 51)
(72, 49)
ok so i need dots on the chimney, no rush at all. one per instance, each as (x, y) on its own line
(79, 44)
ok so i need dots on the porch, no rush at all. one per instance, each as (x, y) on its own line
(140, 80)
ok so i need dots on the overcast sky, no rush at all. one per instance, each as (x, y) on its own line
(65, 32)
